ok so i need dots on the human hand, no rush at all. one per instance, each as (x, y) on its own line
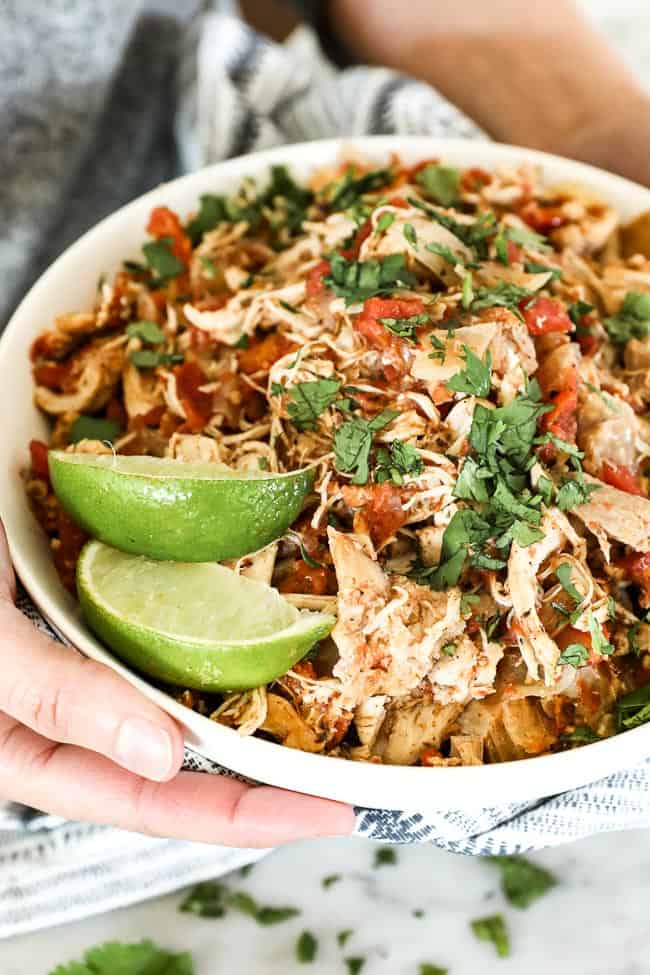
(78, 741)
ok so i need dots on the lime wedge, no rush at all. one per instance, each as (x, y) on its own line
(194, 624)
(168, 509)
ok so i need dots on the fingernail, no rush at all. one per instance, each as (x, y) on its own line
(144, 748)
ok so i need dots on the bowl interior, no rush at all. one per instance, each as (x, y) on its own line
(70, 284)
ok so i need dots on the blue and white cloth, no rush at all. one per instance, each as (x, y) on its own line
(235, 93)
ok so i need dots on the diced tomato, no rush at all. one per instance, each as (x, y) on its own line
(430, 757)
(543, 219)
(315, 285)
(399, 201)
(621, 477)
(384, 513)
(377, 335)
(303, 578)
(351, 253)
(562, 422)
(163, 222)
(213, 303)
(197, 404)
(473, 180)
(545, 315)
(52, 375)
(260, 354)
(636, 567)
(38, 453)
(514, 251)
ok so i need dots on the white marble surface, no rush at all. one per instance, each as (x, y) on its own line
(596, 922)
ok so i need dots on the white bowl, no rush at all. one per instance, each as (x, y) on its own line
(70, 284)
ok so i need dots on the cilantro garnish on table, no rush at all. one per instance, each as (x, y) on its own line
(114, 958)
(212, 899)
(493, 929)
(522, 881)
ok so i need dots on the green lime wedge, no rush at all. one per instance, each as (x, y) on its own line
(194, 624)
(168, 509)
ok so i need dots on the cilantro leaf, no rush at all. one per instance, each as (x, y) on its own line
(345, 193)
(525, 237)
(150, 359)
(578, 310)
(493, 928)
(439, 348)
(385, 220)
(446, 252)
(427, 969)
(306, 947)
(330, 879)
(114, 958)
(149, 332)
(634, 709)
(474, 235)
(575, 655)
(502, 295)
(524, 534)
(632, 321)
(385, 856)
(581, 735)
(599, 641)
(353, 442)
(449, 649)
(563, 573)
(355, 281)
(307, 401)
(522, 881)
(343, 936)
(212, 210)
(94, 428)
(354, 965)
(163, 264)
(405, 328)
(574, 492)
(475, 378)
(441, 183)
(410, 235)
(397, 462)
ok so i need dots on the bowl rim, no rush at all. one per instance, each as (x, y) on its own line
(384, 786)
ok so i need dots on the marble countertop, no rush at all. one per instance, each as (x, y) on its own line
(595, 922)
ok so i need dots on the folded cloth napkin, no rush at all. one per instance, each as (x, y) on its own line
(240, 93)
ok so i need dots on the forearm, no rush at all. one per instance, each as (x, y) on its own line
(541, 77)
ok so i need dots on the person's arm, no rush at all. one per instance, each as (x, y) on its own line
(78, 741)
(537, 75)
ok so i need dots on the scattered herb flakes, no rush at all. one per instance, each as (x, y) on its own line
(163, 264)
(347, 191)
(275, 915)
(410, 235)
(634, 709)
(475, 378)
(212, 210)
(307, 401)
(502, 295)
(306, 947)
(343, 937)
(242, 343)
(330, 880)
(599, 641)
(467, 600)
(205, 900)
(447, 254)
(578, 310)
(384, 222)
(211, 899)
(573, 492)
(147, 331)
(575, 655)
(439, 348)
(210, 269)
(114, 958)
(355, 281)
(396, 462)
(522, 881)
(418, 912)
(355, 965)
(493, 928)
(426, 968)
(467, 293)
(405, 328)
(474, 235)
(441, 183)
(632, 321)
(289, 308)
(582, 735)
(150, 359)
(94, 428)
(563, 573)
(534, 267)
(449, 649)
(385, 856)
(353, 442)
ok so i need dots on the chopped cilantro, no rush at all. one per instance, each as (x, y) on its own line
(306, 947)
(575, 655)
(446, 252)
(449, 649)
(502, 295)
(149, 332)
(150, 359)
(94, 428)
(474, 235)
(161, 261)
(599, 641)
(330, 879)
(405, 328)
(525, 237)
(427, 969)
(632, 321)
(467, 600)
(418, 912)
(114, 958)
(205, 900)
(354, 965)
(493, 929)
(384, 222)
(410, 235)
(574, 492)
(439, 348)
(344, 936)
(467, 291)
(353, 442)
(396, 462)
(634, 709)
(534, 267)
(563, 573)
(475, 378)
(578, 310)
(345, 193)
(441, 183)
(522, 881)
(242, 342)
(307, 401)
(385, 856)
(290, 308)
(632, 639)
(356, 281)
(581, 735)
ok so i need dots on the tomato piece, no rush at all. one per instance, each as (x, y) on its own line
(52, 375)
(197, 404)
(545, 315)
(163, 222)
(514, 251)
(384, 513)
(473, 180)
(260, 354)
(543, 219)
(351, 253)
(637, 569)
(213, 303)
(38, 453)
(562, 421)
(399, 201)
(315, 285)
(621, 477)
(305, 579)
(377, 335)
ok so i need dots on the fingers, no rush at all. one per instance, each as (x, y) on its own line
(67, 698)
(7, 575)
(68, 781)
